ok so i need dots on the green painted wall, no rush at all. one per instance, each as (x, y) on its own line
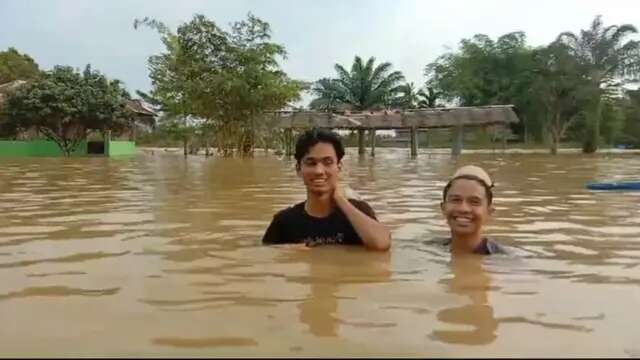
(36, 148)
(50, 148)
(116, 148)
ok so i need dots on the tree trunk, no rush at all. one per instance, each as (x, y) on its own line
(592, 137)
(288, 141)
(554, 145)
(247, 143)
(555, 130)
(252, 137)
(185, 146)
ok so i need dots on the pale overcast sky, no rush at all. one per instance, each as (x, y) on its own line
(316, 34)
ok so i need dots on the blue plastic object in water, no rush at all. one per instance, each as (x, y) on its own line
(625, 185)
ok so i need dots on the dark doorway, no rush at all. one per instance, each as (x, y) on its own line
(95, 147)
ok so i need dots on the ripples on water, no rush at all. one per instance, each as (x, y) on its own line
(155, 255)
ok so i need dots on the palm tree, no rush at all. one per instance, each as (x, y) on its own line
(329, 95)
(428, 98)
(608, 60)
(364, 87)
(408, 98)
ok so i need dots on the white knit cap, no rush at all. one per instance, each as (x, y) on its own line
(475, 171)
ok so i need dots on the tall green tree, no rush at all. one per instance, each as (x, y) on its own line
(230, 78)
(609, 59)
(64, 104)
(365, 86)
(556, 91)
(483, 71)
(170, 77)
(17, 66)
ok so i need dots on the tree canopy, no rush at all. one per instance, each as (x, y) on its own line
(16, 66)
(64, 104)
(562, 89)
(608, 61)
(228, 78)
(365, 86)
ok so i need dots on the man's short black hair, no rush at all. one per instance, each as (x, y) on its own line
(487, 189)
(311, 137)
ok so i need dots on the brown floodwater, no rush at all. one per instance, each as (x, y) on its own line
(155, 255)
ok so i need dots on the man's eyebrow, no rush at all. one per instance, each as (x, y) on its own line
(472, 197)
(323, 158)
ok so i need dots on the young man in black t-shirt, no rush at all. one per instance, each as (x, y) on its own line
(327, 216)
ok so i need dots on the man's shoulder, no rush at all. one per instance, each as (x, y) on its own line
(494, 247)
(489, 246)
(290, 211)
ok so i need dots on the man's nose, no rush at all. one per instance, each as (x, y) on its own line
(319, 168)
(464, 206)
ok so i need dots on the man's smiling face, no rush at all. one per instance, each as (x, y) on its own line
(319, 168)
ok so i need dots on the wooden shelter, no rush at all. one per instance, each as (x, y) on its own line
(456, 118)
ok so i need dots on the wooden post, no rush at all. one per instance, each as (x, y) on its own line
(456, 149)
(360, 141)
(372, 141)
(414, 142)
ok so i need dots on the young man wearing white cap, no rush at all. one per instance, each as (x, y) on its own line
(467, 206)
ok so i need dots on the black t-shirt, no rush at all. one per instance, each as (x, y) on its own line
(294, 226)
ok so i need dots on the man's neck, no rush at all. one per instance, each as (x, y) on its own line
(319, 205)
(466, 243)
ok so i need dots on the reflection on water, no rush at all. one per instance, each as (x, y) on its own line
(470, 280)
(328, 271)
(56, 291)
(156, 255)
(205, 343)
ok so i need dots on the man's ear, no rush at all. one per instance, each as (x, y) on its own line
(491, 210)
(298, 172)
(442, 206)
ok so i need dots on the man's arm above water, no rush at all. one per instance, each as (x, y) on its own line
(374, 235)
